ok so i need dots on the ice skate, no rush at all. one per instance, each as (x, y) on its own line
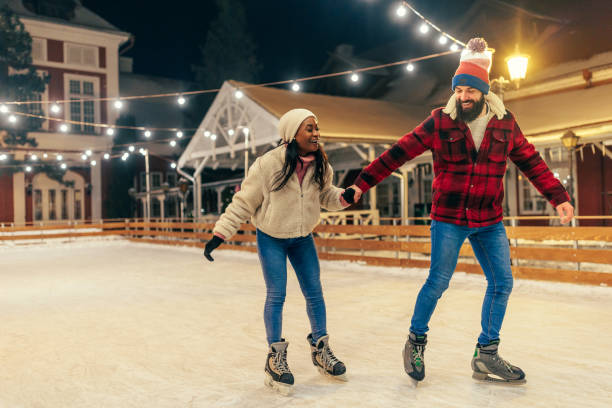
(414, 357)
(278, 375)
(488, 366)
(324, 359)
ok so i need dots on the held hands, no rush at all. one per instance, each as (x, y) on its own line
(566, 212)
(210, 246)
(352, 194)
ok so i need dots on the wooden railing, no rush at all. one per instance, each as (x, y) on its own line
(564, 254)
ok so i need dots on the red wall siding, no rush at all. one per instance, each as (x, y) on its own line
(29, 216)
(102, 56)
(6, 198)
(55, 51)
(594, 184)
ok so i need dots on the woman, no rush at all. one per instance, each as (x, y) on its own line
(282, 194)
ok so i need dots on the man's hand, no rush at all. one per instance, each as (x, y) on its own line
(566, 212)
(210, 246)
(352, 194)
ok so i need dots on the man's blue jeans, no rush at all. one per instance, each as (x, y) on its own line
(302, 254)
(490, 245)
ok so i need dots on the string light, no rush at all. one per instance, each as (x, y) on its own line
(410, 67)
(4, 109)
(295, 87)
(354, 77)
(93, 163)
(34, 157)
(142, 151)
(59, 157)
(88, 152)
(131, 149)
(118, 104)
(173, 165)
(125, 156)
(63, 127)
(401, 11)
(238, 94)
(454, 47)
(84, 157)
(424, 28)
(12, 119)
(110, 131)
(28, 169)
(173, 143)
(147, 133)
(206, 133)
(106, 156)
(55, 108)
(3, 156)
(181, 100)
(230, 132)
(179, 134)
(213, 137)
(443, 39)
(63, 166)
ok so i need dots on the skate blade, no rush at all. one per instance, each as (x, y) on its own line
(283, 389)
(341, 377)
(483, 377)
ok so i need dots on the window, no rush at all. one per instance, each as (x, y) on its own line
(171, 204)
(79, 87)
(171, 179)
(143, 181)
(52, 212)
(39, 49)
(155, 208)
(64, 204)
(531, 201)
(81, 55)
(77, 205)
(38, 208)
(156, 180)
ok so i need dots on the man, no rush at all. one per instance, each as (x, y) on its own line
(470, 139)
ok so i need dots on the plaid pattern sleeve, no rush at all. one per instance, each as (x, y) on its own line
(409, 146)
(529, 161)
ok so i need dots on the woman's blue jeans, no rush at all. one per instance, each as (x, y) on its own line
(490, 245)
(302, 253)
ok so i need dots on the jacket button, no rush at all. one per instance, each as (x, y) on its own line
(471, 186)
(451, 139)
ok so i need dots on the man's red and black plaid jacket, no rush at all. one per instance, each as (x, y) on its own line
(468, 184)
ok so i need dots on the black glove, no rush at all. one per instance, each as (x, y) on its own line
(349, 195)
(210, 246)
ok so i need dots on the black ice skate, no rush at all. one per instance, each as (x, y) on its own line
(278, 375)
(324, 359)
(414, 356)
(489, 366)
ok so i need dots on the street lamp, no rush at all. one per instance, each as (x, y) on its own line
(570, 140)
(517, 66)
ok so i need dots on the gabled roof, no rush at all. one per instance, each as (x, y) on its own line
(83, 17)
(341, 119)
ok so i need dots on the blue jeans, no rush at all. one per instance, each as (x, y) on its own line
(490, 245)
(302, 254)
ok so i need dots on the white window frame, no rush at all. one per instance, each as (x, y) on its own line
(95, 48)
(67, 95)
(161, 179)
(43, 43)
(559, 165)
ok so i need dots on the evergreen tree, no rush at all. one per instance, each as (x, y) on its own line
(19, 81)
(229, 50)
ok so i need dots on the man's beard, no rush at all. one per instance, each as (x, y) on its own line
(472, 113)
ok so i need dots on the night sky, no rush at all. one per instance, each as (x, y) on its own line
(293, 36)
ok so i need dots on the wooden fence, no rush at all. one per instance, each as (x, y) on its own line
(552, 253)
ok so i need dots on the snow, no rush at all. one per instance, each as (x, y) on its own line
(114, 323)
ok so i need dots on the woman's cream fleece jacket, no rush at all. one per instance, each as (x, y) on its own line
(290, 212)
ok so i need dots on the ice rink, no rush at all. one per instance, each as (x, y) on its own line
(119, 324)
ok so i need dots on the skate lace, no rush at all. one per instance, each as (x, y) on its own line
(500, 361)
(417, 353)
(329, 360)
(280, 362)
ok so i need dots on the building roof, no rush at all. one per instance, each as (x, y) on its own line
(83, 17)
(341, 119)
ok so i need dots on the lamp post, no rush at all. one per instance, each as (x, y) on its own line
(570, 140)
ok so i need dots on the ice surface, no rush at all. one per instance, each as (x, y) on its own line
(119, 324)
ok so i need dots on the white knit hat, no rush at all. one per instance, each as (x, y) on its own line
(290, 122)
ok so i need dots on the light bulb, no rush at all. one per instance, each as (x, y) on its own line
(454, 47)
(12, 118)
(401, 11)
(118, 104)
(295, 87)
(93, 163)
(59, 157)
(88, 152)
(28, 169)
(424, 28)
(63, 166)
(131, 149)
(181, 100)
(354, 77)
(239, 94)
(409, 67)
(55, 108)
(206, 133)
(64, 127)
(106, 156)
(173, 165)
(110, 131)
(179, 134)
(147, 133)
(443, 39)
(173, 143)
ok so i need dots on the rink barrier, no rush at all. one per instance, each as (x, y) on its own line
(381, 245)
